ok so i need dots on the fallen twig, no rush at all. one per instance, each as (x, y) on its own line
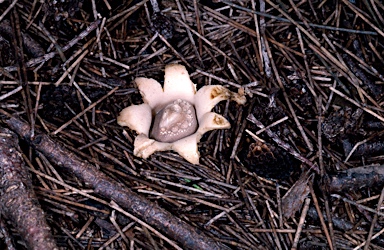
(50, 55)
(283, 144)
(189, 237)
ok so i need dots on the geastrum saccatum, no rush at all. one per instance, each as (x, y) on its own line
(175, 117)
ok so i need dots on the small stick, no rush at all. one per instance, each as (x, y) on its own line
(287, 99)
(321, 216)
(374, 220)
(112, 218)
(174, 51)
(301, 224)
(148, 43)
(52, 39)
(218, 78)
(48, 56)
(373, 237)
(263, 14)
(125, 66)
(356, 103)
(357, 204)
(200, 28)
(117, 235)
(8, 9)
(78, 60)
(189, 33)
(358, 13)
(272, 125)
(204, 39)
(2, 97)
(84, 111)
(319, 138)
(258, 38)
(283, 144)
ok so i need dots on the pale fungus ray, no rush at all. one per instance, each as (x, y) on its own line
(177, 84)
(136, 117)
(175, 117)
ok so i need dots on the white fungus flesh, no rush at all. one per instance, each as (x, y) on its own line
(174, 122)
(179, 114)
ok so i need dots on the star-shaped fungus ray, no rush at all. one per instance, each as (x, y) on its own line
(175, 117)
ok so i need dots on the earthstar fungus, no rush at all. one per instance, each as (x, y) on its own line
(180, 115)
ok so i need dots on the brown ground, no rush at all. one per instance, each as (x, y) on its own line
(311, 69)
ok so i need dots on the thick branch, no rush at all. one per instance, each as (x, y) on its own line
(18, 202)
(188, 236)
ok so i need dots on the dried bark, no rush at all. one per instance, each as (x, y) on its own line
(356, 178)
(188, 236)
(18, 202)
(365, 149)
(294, 198)
(32, 47)
(338, 222)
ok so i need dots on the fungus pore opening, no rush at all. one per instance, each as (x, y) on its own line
(175, 121)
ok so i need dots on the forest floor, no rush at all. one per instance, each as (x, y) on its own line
(300, 168)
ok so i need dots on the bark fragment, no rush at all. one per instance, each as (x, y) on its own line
(356, 178)
(32, 47)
